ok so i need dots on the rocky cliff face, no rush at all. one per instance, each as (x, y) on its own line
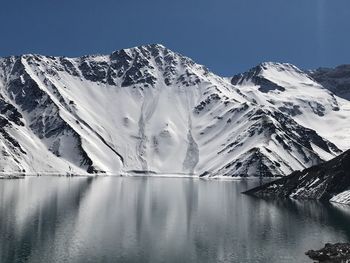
(327, 181)
(149, 109)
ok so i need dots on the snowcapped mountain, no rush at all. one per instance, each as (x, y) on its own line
(327, 181)
(149, 109)
(298, 95)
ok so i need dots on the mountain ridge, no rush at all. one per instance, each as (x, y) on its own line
(151, 109)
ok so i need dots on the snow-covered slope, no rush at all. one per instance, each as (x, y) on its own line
(148, 109)
(297, 94)
(342, 198)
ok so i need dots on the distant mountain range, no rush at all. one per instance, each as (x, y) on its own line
(150, 110)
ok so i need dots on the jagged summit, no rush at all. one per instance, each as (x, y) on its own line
(157, 52)
(146, 50)
(155, 47)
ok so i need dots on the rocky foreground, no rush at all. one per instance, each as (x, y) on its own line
(335, 253)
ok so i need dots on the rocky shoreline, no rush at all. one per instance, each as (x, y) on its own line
(12, 176)
(331, 253)
(329, 181)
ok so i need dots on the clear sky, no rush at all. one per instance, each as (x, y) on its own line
(228, 36)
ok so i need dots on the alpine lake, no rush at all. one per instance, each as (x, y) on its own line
(158, 219)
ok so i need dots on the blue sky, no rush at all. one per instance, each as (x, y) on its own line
(228, 36)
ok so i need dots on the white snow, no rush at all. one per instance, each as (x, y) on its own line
(342, 198)
(304, 93)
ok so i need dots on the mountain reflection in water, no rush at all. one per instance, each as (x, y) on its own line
(148, 219)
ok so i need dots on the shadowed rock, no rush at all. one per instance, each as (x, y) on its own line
(320, 182)
(335, 253)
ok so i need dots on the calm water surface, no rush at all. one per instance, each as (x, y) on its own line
(120, 219)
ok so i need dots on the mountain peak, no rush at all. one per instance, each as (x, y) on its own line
(279, 66)
(155, 51)
(155, 45)
(152, 46)
(271, 75)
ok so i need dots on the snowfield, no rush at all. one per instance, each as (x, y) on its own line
(150, 110)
